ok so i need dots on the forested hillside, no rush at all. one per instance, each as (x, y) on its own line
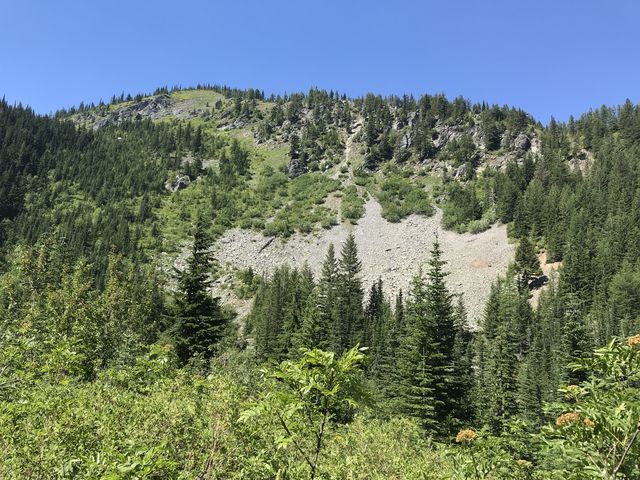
(119, 360)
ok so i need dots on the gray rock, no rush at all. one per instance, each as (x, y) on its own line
(296, 167)
(522, 142)
(446, 133)
(461, 172)
(182, 181)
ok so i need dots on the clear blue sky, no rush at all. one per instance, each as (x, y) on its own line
(555, 58)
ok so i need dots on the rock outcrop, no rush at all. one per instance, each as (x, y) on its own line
(522, 143)
(182, 181)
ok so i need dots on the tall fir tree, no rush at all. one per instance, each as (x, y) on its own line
(442, 332)
(527, 264)
(328, 298)
(462, 358)
(501, 347)
(199, 321)
(349, 297)
(414, 385)
(432, 386)
(387, 372)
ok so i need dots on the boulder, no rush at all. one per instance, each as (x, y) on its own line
(522, 143)
(182, 181)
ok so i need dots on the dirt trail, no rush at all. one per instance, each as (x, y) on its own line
(393, 251)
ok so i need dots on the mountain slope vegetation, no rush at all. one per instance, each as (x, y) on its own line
(114, 365)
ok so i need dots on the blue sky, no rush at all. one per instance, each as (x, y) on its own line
(555, 58)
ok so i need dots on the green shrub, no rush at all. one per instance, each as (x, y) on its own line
(352, 204)
(400, 198)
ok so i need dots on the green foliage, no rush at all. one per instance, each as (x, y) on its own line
(279, 312)
(504, 338)
(349, 298)
(308, 396)
(304, 211)
(144, 421)
(462, 207)
(481, 455)
(352, 207)
(56, 325)
(199, 321)
(86, 393)
(431, 385)
(597, 432)
(527, 265)
(399, 198)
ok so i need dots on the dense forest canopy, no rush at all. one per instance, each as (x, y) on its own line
(113, 364)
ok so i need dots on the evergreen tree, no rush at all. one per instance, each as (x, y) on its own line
(373, 314)
(433, 387)
(442, 332)
(462, 355)
(199, 322)
(527, 265)
(414, 389)
(500, 350)
(350, 295)
(387, 372)
(294, 147)
(328, 298)
(314, 332)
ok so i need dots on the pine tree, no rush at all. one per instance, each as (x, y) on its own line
(314, 332)
(464, 382)
(299, 287)
(527, 265)
(399, 311)
(534, 384)
(349, 297)
(387, 372)
(199, 322)
(414, 388)
(499, 350)
(294, 148)
(378, 322)
(328, 298)
(442, 334)
(432, 389)
(373, 314)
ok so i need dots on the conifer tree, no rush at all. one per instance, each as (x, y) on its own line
(527, 264)
(499, 351)
(328, 297)
(294, 148)
(387, 372)
(199, 322)
(534, 384)
(462, 359)
(415, 391)
(442, 333)
(432, 386)
(373, 315)
(349, 297)
(399, 311)
(314, 332)
(299, 287)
